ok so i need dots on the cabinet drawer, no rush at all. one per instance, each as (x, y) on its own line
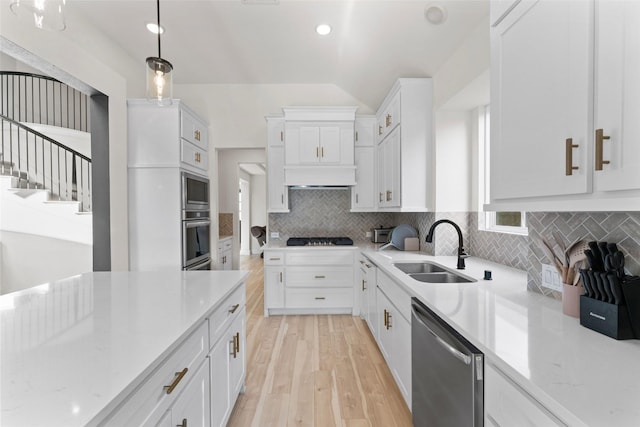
(193, 130)
(506, 404)
(193, 156)
(151, 399)
(397, 296)
(273, 258)
(321, 257)
(319, 298)
(224, 244)
(335, 277)
(224, 315)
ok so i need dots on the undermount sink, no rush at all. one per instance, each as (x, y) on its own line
(430, 273)
(419, 267)
(443, 277)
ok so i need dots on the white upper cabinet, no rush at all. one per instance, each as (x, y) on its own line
(405, 147)
(363, 194)
(540, 99)
(277, 191)
(319, 145)
(617, 96)
(565, 93)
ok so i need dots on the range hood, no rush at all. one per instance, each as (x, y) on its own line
(319, 176)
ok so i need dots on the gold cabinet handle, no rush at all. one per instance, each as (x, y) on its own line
(233, 308)
(317, 151)
(319, 277)
(196, 135)
(281, 136)
(356, 136)
(179, 375)
(183, 423)
(388, 320)
(388, 195)
(274, 259)
(381, 197)
(322, 152)
(385, 317)
(282, 199)
(388, 120)
(569, 146)
(235, 345)
(281, 277)
(379, 130)
(320, 298)
(600, 138)
(364, 288)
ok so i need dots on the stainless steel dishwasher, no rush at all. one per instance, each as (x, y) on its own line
(447, 373)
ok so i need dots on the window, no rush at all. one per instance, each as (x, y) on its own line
(505, 222)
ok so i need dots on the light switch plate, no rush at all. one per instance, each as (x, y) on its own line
(275, 234)
(551, 278)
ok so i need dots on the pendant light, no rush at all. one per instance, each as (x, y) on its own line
(44, 14)
(159, 75)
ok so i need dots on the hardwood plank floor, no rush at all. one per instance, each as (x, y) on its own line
(316, 370)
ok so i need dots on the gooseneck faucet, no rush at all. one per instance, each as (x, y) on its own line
(461, 253)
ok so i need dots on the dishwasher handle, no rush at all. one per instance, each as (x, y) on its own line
(466, 359)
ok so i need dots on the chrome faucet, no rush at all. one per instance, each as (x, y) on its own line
(461, 253)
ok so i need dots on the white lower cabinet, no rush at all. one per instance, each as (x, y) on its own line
(225, 254)
(191, 408)
(394, 332)
(227, 365)
(506, 404)
(309, 281)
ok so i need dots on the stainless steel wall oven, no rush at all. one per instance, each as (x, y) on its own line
(196, 223)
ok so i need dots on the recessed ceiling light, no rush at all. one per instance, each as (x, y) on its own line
(323, 29)
(154, 28)
(435, 13)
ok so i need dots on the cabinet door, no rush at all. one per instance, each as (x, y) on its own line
(274, 287)
(277, 192)
(219, 367)
(275, 131)
(194, 157)
(617, 102)
(365, 128)
(193, 130)
(237, 356)
(540, 97)
(364, 192)
(381, 179)
(385, 322)
(402, 354)
(330, 144)
(191, 408)
(389, 167)
(309, 145)
(373, 304)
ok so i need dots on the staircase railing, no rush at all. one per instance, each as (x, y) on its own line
(32, 98)
(38, 161)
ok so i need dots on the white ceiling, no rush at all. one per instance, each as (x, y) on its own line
(373, 42)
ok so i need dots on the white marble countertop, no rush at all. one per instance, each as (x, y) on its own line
(71, 350)
(583, 377)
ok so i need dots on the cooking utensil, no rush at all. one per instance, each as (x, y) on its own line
(596, 261)
(616, 289)
(553, 258)
(558, 238)
(576, 272)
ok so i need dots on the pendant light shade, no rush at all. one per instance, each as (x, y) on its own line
(44, 14)
(159, 75)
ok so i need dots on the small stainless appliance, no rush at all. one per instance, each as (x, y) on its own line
(195, 192)
(381, 235)
(447, 373)
(195, 240)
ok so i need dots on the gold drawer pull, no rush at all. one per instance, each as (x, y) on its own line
(234, 308)
(600, 138)
(388, 120)
(319, 277)
(385, 317)
(179, 375)
(281, 136)
(320, 298)
(235, 345)
(379, 130)
(569, 146)
(364, 288)
(183, 424)
(274, 259)
(389, 195)
(281, 277)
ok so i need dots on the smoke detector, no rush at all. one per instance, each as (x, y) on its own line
(435, 13)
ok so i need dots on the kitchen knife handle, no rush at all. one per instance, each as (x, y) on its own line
(616, 289)
(586, 283)
(600, 138)
(569, 146)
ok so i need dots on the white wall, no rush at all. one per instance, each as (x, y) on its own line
(258, 206)
(453, 161)
(80, 51)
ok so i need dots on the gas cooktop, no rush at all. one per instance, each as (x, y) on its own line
(319, 241)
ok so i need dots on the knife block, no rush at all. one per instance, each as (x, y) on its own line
(608, 319)
(621, 322)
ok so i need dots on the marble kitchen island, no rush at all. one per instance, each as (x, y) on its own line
(74, 350)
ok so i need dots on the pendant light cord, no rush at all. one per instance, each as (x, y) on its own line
(159, 31)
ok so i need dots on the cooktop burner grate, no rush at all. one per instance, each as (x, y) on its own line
(319, 241)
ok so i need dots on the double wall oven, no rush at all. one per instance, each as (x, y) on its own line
(196, 223)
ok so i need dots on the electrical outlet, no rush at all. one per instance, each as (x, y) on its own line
(367, 234)
(551, 278)
(275, 234)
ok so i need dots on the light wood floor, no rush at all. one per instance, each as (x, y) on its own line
(313, 370)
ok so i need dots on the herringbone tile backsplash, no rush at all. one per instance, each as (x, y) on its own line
(326, 213)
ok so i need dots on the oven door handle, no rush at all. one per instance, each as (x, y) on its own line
(198, 266)
(454, 351)
(193, 224)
